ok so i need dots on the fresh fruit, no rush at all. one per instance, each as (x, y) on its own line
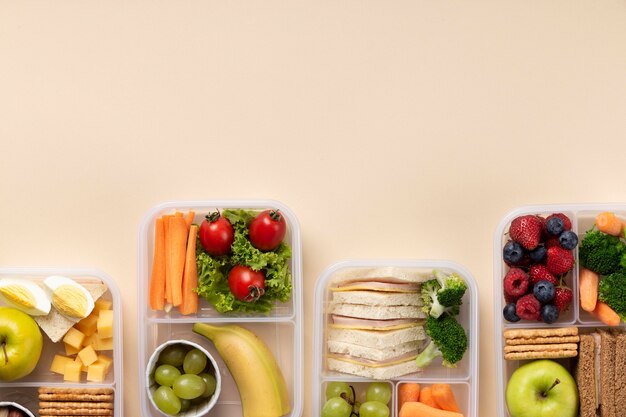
(542, 388)
(512, 252)
(528, 308)
(267, 230)
(510, 313)
(588, 289)
(216, 234)
(544, 291)
(246, 284)
(549, 313)
(568, 240)
(339, 389)
(567, 223)
(166, 400)
(516, 282)
(166, 375)
(539, 272)
(195, 361)
(21, 343)
(538, 255)
(189, 386)
(335, 407)
(378, 391)
(211, 384)
(373, 409)
(526, 230)
(259, 379)
(554, 226)
(559, 260)
(173, 355)
(562, 298)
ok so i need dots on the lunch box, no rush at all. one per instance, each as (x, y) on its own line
(463, 379)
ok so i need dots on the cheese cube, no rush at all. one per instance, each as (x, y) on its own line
(58, 364)
(104, 343)
(88, 325)
(102, 304)
(70, 350)
(105, 323)
(83, 367)
(106, 361)
(91, 341)
(96, 372)
(72, 371)
(74, 338)
(88, 355)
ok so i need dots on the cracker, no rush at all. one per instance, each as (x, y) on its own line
(65, 390)
(75, 412)
(541, 348)
(532, 333)
(541, 355)
(76, 397)
(70, 404)
(543, 340)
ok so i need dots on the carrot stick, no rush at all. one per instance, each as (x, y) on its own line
(189, 218)
(190, 276)
(426, 397)
(588, 287)
(178, 213)
(177, 245)
(606, 314)
(608, 223)
(168, 273)
(157, 281)
(444, 397)
(419, 409)
(409, 391)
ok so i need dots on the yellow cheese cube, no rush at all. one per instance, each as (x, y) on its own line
(74, 338)
(106, 361)
(88, 325)
(70, 350)
(91, 341)
(102, 304)
(104, 343)
(83, 367)
(96, 372)
(88, 356)
(105, 323)
(58, 364)
(72, 371)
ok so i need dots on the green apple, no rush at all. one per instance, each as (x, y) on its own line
(20, 344)
(542, 388)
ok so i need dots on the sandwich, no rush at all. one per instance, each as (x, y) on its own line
(599, 375)
(376, 321)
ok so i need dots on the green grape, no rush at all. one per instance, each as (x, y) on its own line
(173, 355)
(166, 374)
(373, 409)
(166, 400)
(194, 361)
(335, 389)
(378, 391)
(189, 386)
(210, 382)
(185, 405)
(336, 407)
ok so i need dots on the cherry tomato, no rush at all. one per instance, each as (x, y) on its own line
(267, 230)
(246, 284)
(216, 234)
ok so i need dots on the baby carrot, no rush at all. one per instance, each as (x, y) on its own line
(426, 397)
(606, 314)
(419, 409)
(409, 391)
(588, 287)
(444, 397)
(608, 223)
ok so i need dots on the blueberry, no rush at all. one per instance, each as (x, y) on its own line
(555, 226)
(549, 313)
(510, 313)
(538, 255)
(568, 240)
(544, 291)
(513, 252)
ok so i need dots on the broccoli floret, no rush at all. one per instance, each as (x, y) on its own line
(443, 294)
(612, 291)
(447, 339)
(602, 253)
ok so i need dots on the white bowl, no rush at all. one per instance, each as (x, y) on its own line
(195, 410)
(16, 405)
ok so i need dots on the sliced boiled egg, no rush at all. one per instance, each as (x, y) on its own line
(24, 295)
(69, 297)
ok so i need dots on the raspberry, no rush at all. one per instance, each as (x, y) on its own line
(516, 283)
(528, 308)
(559, 260)
(563, 298)
(539, 272)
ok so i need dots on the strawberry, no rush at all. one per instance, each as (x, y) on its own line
(562, 298)
(559, 260)
(567, 223)
(552, 241)
(539, 272)
(526, 230)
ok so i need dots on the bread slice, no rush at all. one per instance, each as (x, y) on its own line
(607, 374)
(380, 339)
(620, 373)
(585, 375)
(378, 312)
(382, 274)
(374, 354)
(377, 298)
(373, 372)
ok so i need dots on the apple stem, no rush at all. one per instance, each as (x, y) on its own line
(556, 382)
(4, 349)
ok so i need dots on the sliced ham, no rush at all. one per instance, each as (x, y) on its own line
(383, 285)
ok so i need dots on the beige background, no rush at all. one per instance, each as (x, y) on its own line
(393, 129)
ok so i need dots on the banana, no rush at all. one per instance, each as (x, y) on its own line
(260, 382)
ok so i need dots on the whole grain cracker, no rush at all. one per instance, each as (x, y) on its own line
(532, 333)
(541, 355)
(75, 412)
(540, 348)
(69, 404)
(543, 340)
(76, 397)
(67, 390)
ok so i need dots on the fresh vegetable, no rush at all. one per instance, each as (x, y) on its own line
(426, 397)
(608, 223)
(267, 230)
(418, 409)
(409, 391)
(588, 288)
(447, 339)
(612, 291)
(213, 271)
(443, 294)
(177, 246)
(606, 314)
(157, 281)
(189, 218)
(168, 275)
(444, 397)
(602, 253)
(246, 284)
(189, 303)
(216, 234)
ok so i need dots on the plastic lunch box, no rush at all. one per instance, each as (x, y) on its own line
(281, 329)
(463, 378)
(583, 218)
(24, 391)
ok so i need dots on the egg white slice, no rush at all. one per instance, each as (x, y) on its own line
(25, 295)
(56, 284)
